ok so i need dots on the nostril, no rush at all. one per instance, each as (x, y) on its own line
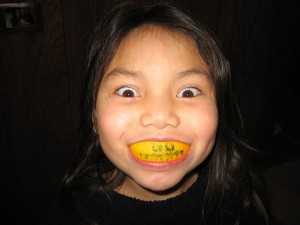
(160, 117)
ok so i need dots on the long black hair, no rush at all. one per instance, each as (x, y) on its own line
(229, 172)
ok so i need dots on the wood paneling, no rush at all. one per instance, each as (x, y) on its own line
(80, 18)
(41, 74)
(36, 114)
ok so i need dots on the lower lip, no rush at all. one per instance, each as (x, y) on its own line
(160, 165)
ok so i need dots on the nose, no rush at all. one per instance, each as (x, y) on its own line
(160, 112)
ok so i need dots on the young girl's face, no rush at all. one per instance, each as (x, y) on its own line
(156, 88)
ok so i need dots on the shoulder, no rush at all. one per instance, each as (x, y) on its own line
(78, 210)
(247, 212)
(59, 214)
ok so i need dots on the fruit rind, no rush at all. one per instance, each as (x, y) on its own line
(153, 151)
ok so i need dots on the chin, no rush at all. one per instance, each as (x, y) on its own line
(161, 183)
(159, 187)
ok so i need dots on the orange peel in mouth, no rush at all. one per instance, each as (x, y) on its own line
(159, 151)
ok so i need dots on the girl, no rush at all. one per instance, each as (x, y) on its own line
(161, 132)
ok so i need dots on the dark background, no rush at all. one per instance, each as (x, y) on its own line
(40, 77)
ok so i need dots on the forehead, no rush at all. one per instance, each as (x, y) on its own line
(158, 35)
(149, 42)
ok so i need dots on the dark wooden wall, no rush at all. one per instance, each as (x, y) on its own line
(40, 77)
(37, 121)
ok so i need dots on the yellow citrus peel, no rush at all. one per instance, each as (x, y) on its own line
(159, 151)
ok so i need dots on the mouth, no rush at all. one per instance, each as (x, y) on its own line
(159, 151)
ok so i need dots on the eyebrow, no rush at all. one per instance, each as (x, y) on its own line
(116, 72)
(191, 72)
(123, 71)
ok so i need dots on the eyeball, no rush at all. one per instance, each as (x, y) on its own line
(127, 92)
(188, 92)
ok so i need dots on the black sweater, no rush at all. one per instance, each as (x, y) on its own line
(117, 209)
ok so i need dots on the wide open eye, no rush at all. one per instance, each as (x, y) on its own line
(127, 92)
(188, 92)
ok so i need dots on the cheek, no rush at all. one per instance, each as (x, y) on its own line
(110, 126)
(204, 120)
(113, 120)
